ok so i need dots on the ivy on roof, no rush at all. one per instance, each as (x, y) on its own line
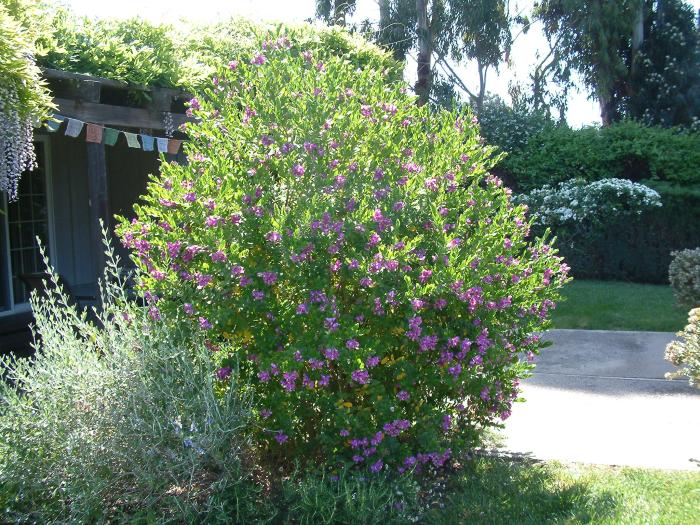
(185, 56)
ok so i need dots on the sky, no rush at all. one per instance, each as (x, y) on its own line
(581, 110)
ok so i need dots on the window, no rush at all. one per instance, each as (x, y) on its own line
(21, 223)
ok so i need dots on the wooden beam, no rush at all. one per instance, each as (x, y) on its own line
(109, 115)
(58, 74)
(98, 200)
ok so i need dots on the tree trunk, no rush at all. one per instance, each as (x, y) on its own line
(339, 8)
(637, 34)
(425, 50)
(607, 111)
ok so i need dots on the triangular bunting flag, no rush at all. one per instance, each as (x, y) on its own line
(94, 133)
(110, 136)
(174, 146)
(132, 139)
(54, 123)
(74, 127)
(147, 142)
(162, 144)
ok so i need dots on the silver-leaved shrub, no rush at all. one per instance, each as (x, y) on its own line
(117, 419)
(352, 251)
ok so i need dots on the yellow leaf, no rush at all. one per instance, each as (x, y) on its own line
(347, 404)
(401, 376)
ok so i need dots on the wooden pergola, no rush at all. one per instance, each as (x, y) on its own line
(110, 103)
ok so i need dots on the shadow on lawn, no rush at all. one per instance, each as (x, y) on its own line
(520, 490)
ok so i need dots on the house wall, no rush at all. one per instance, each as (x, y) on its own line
(127, 174)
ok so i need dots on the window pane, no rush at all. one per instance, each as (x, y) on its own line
(28, 218)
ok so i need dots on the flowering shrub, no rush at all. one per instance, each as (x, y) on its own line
(573, 202)
(24, 99)
(348, 252)
(684, 274)
(580, 214)
(686, 352)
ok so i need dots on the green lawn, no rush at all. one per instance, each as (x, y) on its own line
(614, 305)
(506, 491)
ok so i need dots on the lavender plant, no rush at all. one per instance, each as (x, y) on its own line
(352, 251)
(116, 419)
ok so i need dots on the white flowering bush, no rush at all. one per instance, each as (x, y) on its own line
(581, 214)
(574, 202)
(685, 353)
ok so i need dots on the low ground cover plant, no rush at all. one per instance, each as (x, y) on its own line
(350, 250)
(684, 274)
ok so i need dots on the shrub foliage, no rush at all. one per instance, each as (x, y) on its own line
(626, 150)
(352, 250)
(684, 274)
(685, 353)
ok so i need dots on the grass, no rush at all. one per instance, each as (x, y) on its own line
(614, 305)
(515, 491)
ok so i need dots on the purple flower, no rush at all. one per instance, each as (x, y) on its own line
(431, 184)
(302, 309)
(265, 413)
(344, 433)
(425, 276)
(376, 467)
(331, 324)
(174, 249)
(218, 256)
(212, 221)
(360, 376)
(203, 280)
(454, 243)
(298, 170)
(446, 422)
(372, 361)
(259, 59)
(264, 376)
(281, 438)
(258, 295)
(289, 381)
(204, 323)
(269, 278)
(331, 354)
(223, 372)
(188, 308)
(273, 237)
(352, 344)
(154, 313)
(429, 342)
(403, 395)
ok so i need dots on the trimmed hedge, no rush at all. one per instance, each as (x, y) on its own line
(626, 150)
(639, 248)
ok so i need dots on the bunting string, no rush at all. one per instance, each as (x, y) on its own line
(99, 134)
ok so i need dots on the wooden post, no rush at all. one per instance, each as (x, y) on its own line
(99, 201)
(97, 184)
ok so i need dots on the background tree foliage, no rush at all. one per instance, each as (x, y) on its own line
(638, 58)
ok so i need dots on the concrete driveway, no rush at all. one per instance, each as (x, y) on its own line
(601, 397)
